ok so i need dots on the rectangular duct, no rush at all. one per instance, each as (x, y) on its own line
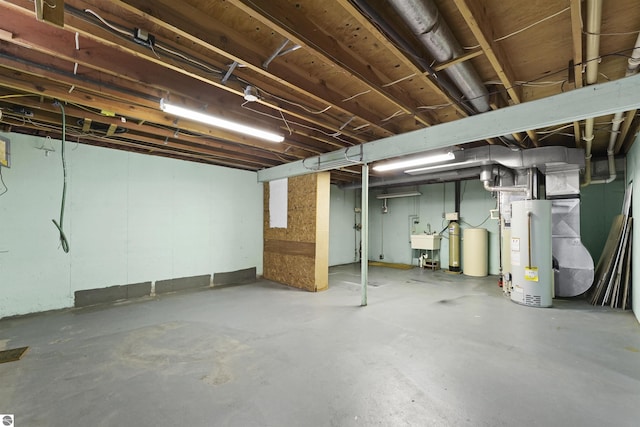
(572, 263)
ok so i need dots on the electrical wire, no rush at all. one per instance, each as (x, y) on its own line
(16, 96)
(356, 95)
(479, 225)
(112, 26)
(561, 70)
(434, 107)
(532, 25)
(628, 33)
(129, 34)
(60, 224)
(308, 110)
(181, 55)
(285, 122)
(554, 130)
(166, 49)
(506, 36)
(394, 115)
(399, 80)
(334, 135)
(6, 189)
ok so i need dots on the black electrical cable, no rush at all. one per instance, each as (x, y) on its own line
(6, 189)
(59, 225)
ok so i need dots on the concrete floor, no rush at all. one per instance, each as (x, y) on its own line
(430, 349)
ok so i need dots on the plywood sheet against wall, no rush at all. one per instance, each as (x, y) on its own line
(298, 255)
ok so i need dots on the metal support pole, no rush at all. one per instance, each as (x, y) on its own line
(364, 235)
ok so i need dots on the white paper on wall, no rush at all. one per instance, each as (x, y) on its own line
(278, 191)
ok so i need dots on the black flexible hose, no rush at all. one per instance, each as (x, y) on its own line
(59, 225)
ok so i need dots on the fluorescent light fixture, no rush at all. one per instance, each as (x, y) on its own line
(434, 158)
(448, 166)
(218, 122)
(394, 195)
(339, 159)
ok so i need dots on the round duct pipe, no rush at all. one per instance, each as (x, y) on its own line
(432, 31)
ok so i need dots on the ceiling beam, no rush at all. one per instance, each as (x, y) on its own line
(308, 35)
(592, 101)
(477, 20)
(32, 84)
(51, 117)
(401, 56)
(192, 26)
(161, 133)
(462, 58)
(105, 52)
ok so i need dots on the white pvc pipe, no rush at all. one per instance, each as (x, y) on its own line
(594, 20)
(513, 189)
(632, 68)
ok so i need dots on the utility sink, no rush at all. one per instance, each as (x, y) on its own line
(425, 241)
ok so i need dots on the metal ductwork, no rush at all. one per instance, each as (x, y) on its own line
(468, 163)
(573, 265)
(424, 20)
(444, 84)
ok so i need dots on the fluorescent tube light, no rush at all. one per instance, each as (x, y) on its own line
(394, 195)
(218, 122)
(435, 158)
(437, 168)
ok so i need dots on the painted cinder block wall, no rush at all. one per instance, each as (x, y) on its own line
(389, 232)
(129, 218)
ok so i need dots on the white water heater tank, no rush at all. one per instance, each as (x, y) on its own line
(531, 257)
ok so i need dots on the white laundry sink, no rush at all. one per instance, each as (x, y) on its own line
(425, 241)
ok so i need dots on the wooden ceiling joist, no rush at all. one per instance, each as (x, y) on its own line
(479, 24)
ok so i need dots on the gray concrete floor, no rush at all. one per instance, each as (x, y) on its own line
(430, 349)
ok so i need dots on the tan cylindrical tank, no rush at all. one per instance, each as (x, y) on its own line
(475, 252)
(454, 246)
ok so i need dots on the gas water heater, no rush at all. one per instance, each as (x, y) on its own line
(531, 258)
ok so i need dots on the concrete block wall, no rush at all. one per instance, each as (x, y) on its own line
(129, 218)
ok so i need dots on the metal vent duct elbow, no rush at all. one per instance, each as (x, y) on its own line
(424, 20)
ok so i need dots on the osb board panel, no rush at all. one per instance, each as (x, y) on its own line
(284, 247)
(298, 255)
(291, 270)
(301, 215)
